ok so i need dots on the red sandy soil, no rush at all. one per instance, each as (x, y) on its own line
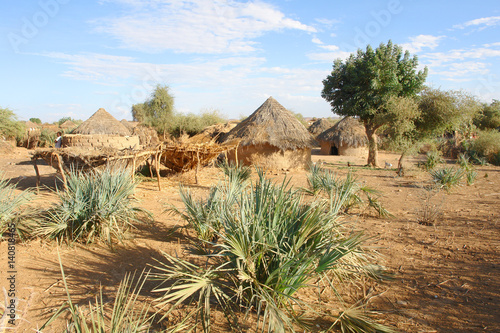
(447, 275)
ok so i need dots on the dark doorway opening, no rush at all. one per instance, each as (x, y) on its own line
(334, 150)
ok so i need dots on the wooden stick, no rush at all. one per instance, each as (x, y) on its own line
(37, 175)
(197, 166)
(158, 168)
(59, 164)
(133, 170)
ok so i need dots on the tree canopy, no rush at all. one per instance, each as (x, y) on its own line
(489, 116)
(157, 111)
(364, 84)
(431, 114)
(9, 126)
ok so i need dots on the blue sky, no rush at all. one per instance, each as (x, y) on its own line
(71, 57)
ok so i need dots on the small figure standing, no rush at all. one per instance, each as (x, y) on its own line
(59, 140)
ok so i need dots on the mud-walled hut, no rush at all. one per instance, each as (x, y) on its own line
(101, 130)
(271, 138)
(346, 138)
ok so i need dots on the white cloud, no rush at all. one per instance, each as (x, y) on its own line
(245, 78)
(482, 22)
(196, 26)
(316, 40)
(418, 43)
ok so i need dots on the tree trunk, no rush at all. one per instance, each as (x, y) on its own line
(401, 171)
(372, 146)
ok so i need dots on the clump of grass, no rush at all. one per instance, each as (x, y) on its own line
(447, 178)
(356, 194)
(271, 245)
(96, 205)
(430, 211)
(128, 313)
(432, 160)
(11, 209)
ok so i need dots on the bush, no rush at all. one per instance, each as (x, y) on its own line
(433, 159)
(97, 205)
(268, 248)
(487, 145)
(47, 138)
(10, 128)
(193, 124)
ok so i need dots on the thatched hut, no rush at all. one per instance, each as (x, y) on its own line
(101, 130)
(31, 135)
(68, 125)
(319, 126)
(271, 138)
(347, 137)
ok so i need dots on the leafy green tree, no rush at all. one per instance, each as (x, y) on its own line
(363, 85)
(36, 120)
(157, 111)
(489, 116)
(9, 126)
(431, 114)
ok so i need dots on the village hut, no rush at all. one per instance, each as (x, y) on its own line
(347, 138)
(31, 135)
(130, 125)
(271, 138)
(319, 126)
(99, 131)
(68, 125)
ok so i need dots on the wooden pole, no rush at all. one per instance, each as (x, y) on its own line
(157, 166)
(236, 154)
(197, 165)
(61, 170)
(37, 175)
(133, 169)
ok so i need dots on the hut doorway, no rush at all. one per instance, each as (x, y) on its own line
(334, 150)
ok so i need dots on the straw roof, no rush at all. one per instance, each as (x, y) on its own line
(320, 125)
(31, 125)
(102, 122)
(130, 125)
(348, 131)
(68, 124)
(271, 124)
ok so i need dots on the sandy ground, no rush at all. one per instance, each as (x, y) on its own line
(447, 275)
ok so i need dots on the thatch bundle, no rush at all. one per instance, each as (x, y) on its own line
(102, 122)
(213, 133)
(320, 125)
(348, 131)
(271, 124)
(181, 157)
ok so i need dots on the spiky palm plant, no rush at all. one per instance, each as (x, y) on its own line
(97, 205)
(128, 313)
(10, 211)
(447, 178)
(271, 246)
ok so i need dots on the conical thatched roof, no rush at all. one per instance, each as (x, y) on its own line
(320, 125)
(102, 122)
(31, 125)
(271, 124)
(130, 125)
(68, 124)
(348, 131)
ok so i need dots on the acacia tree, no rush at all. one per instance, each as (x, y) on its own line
(363, 85)
(157, 111)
